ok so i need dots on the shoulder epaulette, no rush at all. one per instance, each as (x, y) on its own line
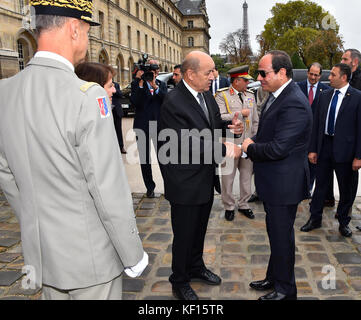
(250, 91)
(222, 89)
(86, 86)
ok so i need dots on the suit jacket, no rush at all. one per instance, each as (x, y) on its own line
(347, 138)
(147, 106)
(356, 79)
(320, 88)
(223, 83)
(280, 150)
(61, 171)
(193, 183)
(117, 102)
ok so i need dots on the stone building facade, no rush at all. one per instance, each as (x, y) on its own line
(165, 29)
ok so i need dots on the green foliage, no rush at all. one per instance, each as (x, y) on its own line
(297, 27)
(297, 62)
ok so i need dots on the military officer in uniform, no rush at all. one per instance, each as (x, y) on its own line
(61, 168)
(230, 100)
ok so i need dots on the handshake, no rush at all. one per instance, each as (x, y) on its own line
(235, 151)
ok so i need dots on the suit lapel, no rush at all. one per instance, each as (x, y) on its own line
(345, 102)
(192, 101)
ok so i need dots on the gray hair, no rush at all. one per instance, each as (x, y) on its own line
(48, 22)
(190, 64)
(317, 65)
(355, 54)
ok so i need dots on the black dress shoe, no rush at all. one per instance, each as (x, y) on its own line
(311, 225)
(184, 293)
(329, 203)
(229, 215)
(345, 231)
(274, 295)
(247, 212)
(206, 276)
(262, 285)
(150, 194)
(358, 228)
(253, 198)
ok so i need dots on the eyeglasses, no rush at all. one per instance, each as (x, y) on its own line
(263, 73)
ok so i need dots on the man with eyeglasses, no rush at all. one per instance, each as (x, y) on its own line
(312, 87)
(279, 153)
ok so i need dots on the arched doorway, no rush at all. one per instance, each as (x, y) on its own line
(103, 57)
(26, 47)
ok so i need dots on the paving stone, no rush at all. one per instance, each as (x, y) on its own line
(8, 242)
(318, 258)
(8, 257)
(229, 273)
(303, 287)
(228, 259)
(144, 213)
(159, 237)
(14, 298)
(232, 287)
(231, 248)
(336, 238)
(353, 271)
(17, 289)
(160, 222)
(300, 273)
(260, 258)
(258, 248)
(348, 258)
(232, 238)
(256, 238)
(314, 247)
(356, 239)
(147, 206)
(164, 272)
(340, 298)
(355, 284)
(259, 274)
(7, 277)
(162, 287)
(133, 285)
(309, 239)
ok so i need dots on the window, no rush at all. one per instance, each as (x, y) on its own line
(137, 10)
(146, 43)
(119, 35)
(158, 26)
(152, 20)
(145, 16)
(190, 42)
(21, 7)
(138, 40)
(190, 24)
(101, 21)
(153, 47)
(128, 6)
(21, 55)
(129, 37)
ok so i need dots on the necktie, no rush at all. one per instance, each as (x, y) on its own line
(203, 106)
(311, 96)
(332, 114)
(270, 100)
(215, 86)
(240, 96)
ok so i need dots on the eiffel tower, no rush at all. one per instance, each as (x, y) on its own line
(245, 30)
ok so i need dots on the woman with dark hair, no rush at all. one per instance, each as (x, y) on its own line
(103, 74)
(99, 73)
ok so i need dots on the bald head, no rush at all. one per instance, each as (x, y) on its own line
(197, 70)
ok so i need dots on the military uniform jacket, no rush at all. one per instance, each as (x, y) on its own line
(229, 103)
(61, 171)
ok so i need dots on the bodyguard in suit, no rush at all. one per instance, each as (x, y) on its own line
(61, 169)
(190, 179)
(218, 82)
(279, 152)
(118, 115)
(336, 145)
(230, 100)
(312, 88)
(147, 97)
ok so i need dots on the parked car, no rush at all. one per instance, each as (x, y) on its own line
(127, 105)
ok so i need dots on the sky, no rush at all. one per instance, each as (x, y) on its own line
(227, 16)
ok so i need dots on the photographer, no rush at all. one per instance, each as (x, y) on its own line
(147, 96)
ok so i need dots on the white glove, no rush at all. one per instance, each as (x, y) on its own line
(137, 270)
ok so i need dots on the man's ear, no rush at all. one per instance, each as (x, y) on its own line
(74, 26)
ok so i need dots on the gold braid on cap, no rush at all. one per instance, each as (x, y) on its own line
(81, 5)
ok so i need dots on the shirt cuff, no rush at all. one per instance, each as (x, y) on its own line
(137, 270)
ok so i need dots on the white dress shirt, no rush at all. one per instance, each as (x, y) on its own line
(315, 86)
(341, 96)
(216, 80)
(54, 56)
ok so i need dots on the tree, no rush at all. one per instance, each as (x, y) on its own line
(303, 28)
(232, 46)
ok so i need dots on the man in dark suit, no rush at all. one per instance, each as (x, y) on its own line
(147, 96)
(118, 115)
(336, 145)
(218, 82)
(279, 153)
(191, 114)
(312, 87)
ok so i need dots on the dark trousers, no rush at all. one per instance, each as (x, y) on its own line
(189, 225)
(281, 265)
(330, 194)
(345, 179)
(118, 129)
(144, 149)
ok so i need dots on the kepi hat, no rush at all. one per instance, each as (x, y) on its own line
(240, 72)
(80, 9)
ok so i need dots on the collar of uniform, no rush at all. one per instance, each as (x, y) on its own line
(54, 56)
(235, 90)
(279, 91)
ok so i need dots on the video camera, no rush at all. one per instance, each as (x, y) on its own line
(146, 67)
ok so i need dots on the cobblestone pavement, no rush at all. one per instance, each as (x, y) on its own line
(238, 251)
